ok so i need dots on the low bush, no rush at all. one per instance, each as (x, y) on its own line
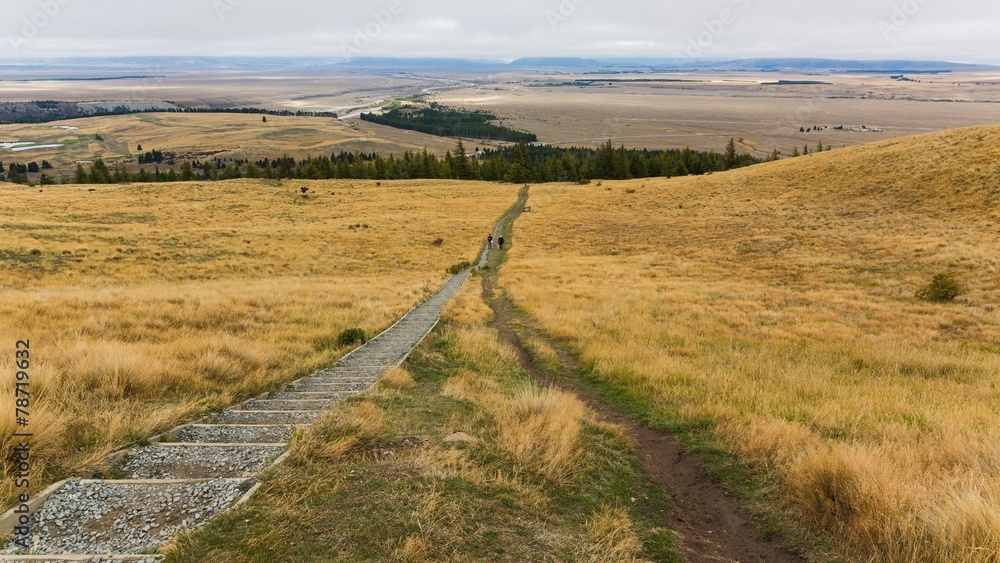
(351, 336)
(943, 288)
(459, 268)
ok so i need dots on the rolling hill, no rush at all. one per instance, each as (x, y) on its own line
(773, 313)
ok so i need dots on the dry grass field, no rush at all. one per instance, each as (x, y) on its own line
(204, 137)
(705, 113)
(774, 308)
(148, 304)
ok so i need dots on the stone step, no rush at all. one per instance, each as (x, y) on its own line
(314, 395)
(234, 434)
(199, 461)
(288, 405)
(324, 386)
(126, 517)
(264, 417)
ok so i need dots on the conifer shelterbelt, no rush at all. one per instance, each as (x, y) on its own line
(518, 163)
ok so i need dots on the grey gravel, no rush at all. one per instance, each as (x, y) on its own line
(119, 518)
(264, 417)
(313, 395)
(330, 385)
(345, 383)
(95, 559)
(198, 462)
(236, 434)
(288, 405)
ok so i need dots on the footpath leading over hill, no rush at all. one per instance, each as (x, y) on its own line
(188, 476)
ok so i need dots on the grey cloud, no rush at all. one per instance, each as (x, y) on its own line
(956, 30)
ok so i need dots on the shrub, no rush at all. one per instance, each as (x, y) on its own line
(351, 336)
(439, 242)
(459, 268)
(943, 288)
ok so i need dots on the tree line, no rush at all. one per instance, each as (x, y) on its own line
(44, 111)
(520, 163)
(448, 122)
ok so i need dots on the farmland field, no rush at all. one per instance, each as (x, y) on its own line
(655, 111)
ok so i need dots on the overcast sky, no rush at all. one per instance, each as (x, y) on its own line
(955, 30)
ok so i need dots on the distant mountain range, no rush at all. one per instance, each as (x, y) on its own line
(10, 69)
(651, 64)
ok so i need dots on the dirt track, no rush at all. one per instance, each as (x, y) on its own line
(709, 524)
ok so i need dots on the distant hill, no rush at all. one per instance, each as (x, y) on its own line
(834, 65)
(416, 62)
(109, 67)
(555, 62)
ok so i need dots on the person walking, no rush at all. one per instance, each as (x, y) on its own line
(489, 242)
(500, 241)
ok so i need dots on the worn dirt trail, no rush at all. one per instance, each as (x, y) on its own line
(709, 524)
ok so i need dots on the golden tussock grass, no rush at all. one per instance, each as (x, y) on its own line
(414, 550)
(538, 429)
(613, 537)
(777, 303)
(541, 429)
(396, 379)
(146, 305)
(467, 307)
(351, 428)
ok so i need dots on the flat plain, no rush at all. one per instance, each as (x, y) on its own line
(652, 110)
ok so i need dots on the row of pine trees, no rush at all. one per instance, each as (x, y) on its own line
(520, 163)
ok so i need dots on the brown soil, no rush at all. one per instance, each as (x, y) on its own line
(709, 524)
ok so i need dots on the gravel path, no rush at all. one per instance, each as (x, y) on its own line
(307, 405)
(262, 417)
(198, 462)
(102, 517)
(198, 434)
(113, 519)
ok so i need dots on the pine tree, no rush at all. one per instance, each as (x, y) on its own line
(99, 173)
(729, 160)
(460, 166)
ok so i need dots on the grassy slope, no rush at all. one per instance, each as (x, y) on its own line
(147, 305)
(774, 308)
(375, 480)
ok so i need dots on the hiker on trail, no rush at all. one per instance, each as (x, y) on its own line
(500, 241)
(489, 242)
